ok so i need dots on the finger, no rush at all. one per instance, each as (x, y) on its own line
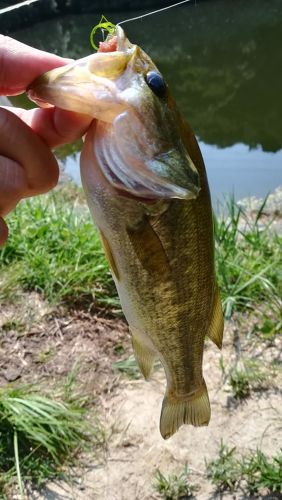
(19, 143)
(21, 64)
(55, 126)
(3, 231)
(13, 185)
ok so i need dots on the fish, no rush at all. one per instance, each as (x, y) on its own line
(147, 189)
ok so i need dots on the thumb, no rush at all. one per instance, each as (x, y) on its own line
(19, 143)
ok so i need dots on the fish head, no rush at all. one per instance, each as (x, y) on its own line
(138, 145)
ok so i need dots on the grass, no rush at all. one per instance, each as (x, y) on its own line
(174, 486)
(13, 324)
(252, 472)
(40, 434)
(127, 367)
(55, 250)
(248, 260)
(224, 470)
(248, 376)
(263, 473)
(268, 328)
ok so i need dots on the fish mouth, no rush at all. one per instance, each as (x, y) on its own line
(87, 85)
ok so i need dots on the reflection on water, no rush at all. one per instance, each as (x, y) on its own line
(222, 60)
(241, 171)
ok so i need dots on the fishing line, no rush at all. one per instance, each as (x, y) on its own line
(154, 12)
(107, 26)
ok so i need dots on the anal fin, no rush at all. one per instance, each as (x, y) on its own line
(144, 356)
(215, 332)
(176, 411)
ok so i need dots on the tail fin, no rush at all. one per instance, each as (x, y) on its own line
(176, 412)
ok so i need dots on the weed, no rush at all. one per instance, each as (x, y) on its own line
(174, 486)
(40, 435)
(45, 355)
(262, 473)
(239, 383)
(269, 328)
(249, 375)
(248, 257)
(251, 472)
(128, 367)
(55, 249)
(119, 349)
(224, 470)
(14, 324)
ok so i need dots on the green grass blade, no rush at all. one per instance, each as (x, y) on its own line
(17, 461)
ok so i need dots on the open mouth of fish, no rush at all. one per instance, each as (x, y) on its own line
(109, 86)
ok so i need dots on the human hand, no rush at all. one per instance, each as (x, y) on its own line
(27, 165)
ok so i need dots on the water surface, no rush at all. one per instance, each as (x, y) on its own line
(223, 62)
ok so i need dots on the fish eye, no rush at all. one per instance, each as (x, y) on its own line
(156, 83)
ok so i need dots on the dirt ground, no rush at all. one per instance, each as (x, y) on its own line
(39, 344)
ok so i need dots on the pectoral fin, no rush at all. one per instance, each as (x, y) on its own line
(216, 327)
(144, 356)
(149, 248)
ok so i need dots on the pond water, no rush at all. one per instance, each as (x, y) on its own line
(223, 62)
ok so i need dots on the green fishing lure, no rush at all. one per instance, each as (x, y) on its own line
(104, 25)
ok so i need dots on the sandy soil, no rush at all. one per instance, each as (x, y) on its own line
(130, 409)
(136, 449)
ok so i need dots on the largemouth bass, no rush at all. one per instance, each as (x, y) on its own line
(146, 186)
